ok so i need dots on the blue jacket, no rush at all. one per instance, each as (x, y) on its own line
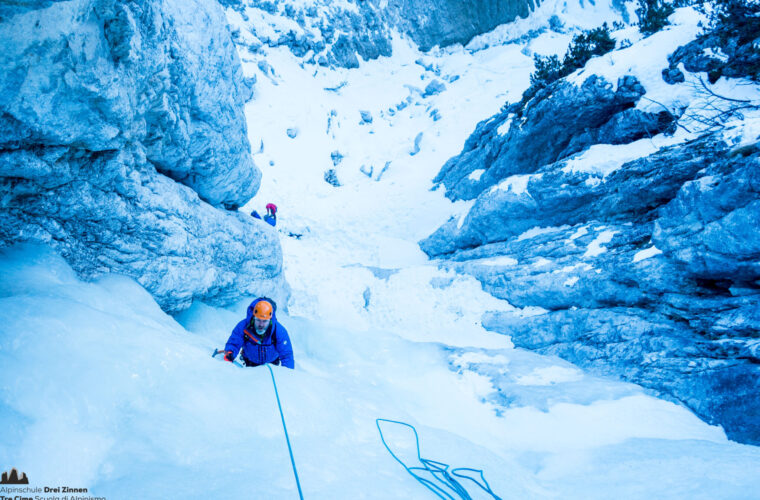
(273, 346)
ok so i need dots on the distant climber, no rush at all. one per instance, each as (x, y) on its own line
(262, 338)
(271, 216)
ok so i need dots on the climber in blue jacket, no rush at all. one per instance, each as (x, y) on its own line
(262, 337)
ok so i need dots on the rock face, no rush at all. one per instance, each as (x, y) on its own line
(121, 130)
(644, 268)
(559, 121)
(729, 50)
(431, 23)
(100, 75)
(331, 34)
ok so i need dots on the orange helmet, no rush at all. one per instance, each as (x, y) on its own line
(263, 310)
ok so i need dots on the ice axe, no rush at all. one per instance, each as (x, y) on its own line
(219, 351)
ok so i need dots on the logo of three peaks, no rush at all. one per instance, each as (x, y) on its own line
(12, 477)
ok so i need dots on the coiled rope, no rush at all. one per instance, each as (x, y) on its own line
(443, 482)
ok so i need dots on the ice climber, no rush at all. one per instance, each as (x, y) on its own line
(271, 216)
(262, 338)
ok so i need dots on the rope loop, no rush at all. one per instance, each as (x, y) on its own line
(442, 480)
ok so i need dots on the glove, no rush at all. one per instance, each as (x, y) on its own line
(228, 356)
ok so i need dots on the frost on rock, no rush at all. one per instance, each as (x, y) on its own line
(116, 121)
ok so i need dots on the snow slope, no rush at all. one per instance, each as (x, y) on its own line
(101, 389)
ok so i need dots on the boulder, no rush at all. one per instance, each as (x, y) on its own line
(123, 142)
(112, 212)
(99, 75)
(551, 126)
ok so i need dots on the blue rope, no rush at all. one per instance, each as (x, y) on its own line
(290, 450)
(443, 482)
(282, 417)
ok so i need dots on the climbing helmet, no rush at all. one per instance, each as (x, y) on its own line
(262, 310)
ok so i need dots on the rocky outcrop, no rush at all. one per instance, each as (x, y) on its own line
(330, 34)
(650, 275)
(562, 119)
(122, 141)
(431, 23)
(729, 48)
(717, 380)
(710, 227)
(557, 195)
(99, 75)
(643, 267)
(111, 212)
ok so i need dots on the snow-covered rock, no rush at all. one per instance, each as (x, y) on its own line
(641, 248)
(654, 350)
(731, 53)
(116, 121)
(559, 121)
(113, 213)
(340, 33)
(698, 296)
(697, 205)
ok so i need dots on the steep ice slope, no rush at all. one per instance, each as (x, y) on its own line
(102, 390)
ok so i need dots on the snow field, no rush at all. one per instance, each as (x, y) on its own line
(110, 393)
